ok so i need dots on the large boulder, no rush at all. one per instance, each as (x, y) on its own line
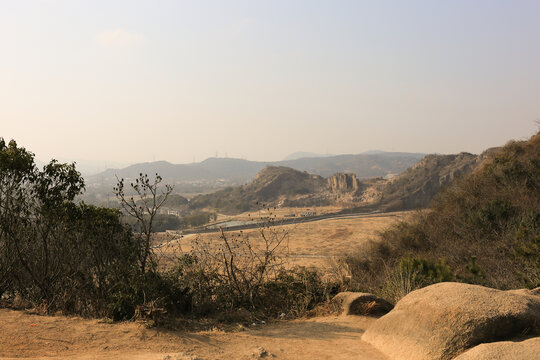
(358, 303)
(443, 320)
(504, 350)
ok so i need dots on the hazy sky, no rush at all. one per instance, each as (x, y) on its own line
(133, 81)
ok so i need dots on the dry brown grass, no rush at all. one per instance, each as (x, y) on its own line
(279, 213)
(313, 243)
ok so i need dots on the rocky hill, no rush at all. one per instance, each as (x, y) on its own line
(279, 181)
(214, 173)
(416, 186)
(365, 166)
(278, 185)
(282, 186)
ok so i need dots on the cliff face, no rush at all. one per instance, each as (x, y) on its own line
(416, 187)
(343, 182)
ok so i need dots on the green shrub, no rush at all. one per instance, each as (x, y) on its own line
(426, 271)
(63, 255)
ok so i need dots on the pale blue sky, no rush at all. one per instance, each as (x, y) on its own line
(132, 81)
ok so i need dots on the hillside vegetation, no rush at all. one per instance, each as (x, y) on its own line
(483, 229)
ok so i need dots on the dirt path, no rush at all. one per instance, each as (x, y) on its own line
(44, 337)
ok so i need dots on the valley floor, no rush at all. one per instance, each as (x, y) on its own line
(27, 336)
(311, 243)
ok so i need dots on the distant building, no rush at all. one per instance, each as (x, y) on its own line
(309, 213)
(173, 212)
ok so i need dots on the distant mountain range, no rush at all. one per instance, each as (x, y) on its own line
(355, 181)
(303, 154)
(229, 170)
(86, 167)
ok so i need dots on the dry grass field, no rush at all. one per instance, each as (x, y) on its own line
(307, 244)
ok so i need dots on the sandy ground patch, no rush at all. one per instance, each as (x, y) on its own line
(44, 337)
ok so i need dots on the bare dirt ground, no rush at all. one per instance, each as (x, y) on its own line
(27, 336)
(24, 335)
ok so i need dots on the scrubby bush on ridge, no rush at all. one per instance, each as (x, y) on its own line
(485, 226)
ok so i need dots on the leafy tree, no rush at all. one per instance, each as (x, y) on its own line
(59, 254)
(16, 171)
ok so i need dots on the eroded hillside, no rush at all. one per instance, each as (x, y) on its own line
(283, 186)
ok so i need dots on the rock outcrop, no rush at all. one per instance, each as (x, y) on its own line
(443, 320)
(357, 303)
(343, 182)
(503, 350)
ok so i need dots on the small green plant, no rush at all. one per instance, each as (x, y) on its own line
(475, 269)
(426, 271)
(398, 282)
(413, 273)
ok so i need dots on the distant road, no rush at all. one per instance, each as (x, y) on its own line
(295, 220)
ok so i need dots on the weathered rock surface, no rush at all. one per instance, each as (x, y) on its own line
(340, 182)
(416, 186)
(504, 350)
(357, 303)
(443, 320)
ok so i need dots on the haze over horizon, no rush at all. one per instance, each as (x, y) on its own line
(131, 81)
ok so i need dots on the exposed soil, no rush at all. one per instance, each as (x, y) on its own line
(30, 336)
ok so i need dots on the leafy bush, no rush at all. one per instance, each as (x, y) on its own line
(197, 218)
(62, 255)
(163, 222)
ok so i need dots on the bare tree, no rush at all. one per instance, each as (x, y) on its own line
(143, 205)
(243, 263)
